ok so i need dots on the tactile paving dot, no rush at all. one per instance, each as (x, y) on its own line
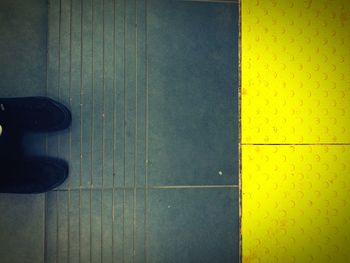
(295, 71)
(296, 203)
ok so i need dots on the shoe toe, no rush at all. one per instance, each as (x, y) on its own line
(55, 172)
(59, 116)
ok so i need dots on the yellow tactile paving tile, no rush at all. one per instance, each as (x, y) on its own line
(295, 71)
(296, 204)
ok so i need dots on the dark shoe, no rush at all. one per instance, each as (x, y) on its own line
(11, 146)
(32, 176)
(39, 114)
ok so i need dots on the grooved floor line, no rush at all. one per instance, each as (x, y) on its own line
(136, 138)
(81, 94)
(70, 130)
(192, 186)
(59, 65)
(93, 95)
(57, 257)
(124, 123)
(114, 128)
(92, 123)
(146, 136)
(81, 90)
(103, 127)
(149, 187)
(57, 229)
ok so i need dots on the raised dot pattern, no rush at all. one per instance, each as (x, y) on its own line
(296, 204)
(295, 90)
(295, 71)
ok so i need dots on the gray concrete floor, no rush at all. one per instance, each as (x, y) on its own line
(153, 146)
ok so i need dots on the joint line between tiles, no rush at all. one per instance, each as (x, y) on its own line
(295, 144)
(150, 187)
